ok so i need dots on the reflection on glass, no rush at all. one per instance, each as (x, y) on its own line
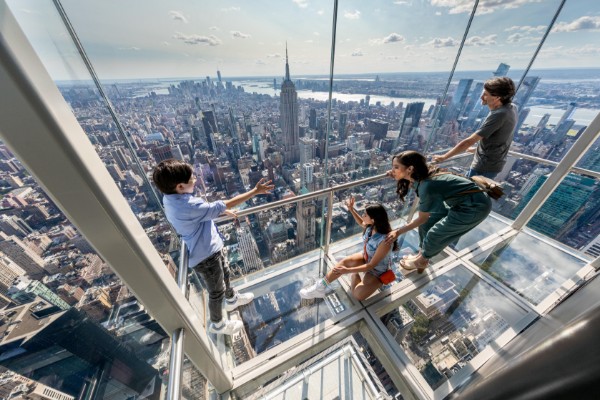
(489, 226)
(531, 268)
(348, 369)
(570, 214)
(277, 312)
(449, 322)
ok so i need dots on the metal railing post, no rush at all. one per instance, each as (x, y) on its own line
(176, 360)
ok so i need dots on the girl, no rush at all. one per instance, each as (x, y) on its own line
(449, 206)
(374, 260)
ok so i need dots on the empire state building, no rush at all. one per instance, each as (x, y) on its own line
(288, 111)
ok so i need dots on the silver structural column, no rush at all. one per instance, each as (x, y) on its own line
(176, 360)
(39, 127)
(562, 169)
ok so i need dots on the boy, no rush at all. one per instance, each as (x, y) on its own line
(193, 218)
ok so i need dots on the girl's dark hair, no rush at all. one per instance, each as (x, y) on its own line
(169, 173)
(381, 221)
(421, 170)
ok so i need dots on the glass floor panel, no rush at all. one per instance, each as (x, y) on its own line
(450, 321)
(278, 313)
(488, 227)
(530, 267)
(349, 369)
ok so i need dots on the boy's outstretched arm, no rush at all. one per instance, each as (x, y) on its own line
(262, 187)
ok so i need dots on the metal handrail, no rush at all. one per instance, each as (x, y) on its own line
(303, 197)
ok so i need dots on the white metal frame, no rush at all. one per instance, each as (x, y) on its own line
(65, 164)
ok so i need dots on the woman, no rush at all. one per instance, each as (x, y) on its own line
(374, 260)
(449, 206)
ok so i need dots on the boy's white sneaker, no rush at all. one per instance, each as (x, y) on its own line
(314, 291)
(228, 327)
(239, 300)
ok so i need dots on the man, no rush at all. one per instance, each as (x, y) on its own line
(496, 133)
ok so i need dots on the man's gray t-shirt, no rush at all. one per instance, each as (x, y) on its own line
(497, 133)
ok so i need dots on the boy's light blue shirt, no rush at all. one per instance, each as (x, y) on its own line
(192, 218)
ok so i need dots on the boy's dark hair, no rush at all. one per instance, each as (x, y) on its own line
(169, 173)
(502, 87)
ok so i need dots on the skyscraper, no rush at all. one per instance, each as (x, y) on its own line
(412, 116)
(502, 70)
(526, 90)
(306, 235)
(248, 248)
(288, 111)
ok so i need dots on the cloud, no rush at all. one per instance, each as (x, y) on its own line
(481, 41)
(320, 12)
(443, 42)
(178, 16)
(133, 48)
(316, 34)
(240, 35)
(166, 43)
(357, 53)
(583, 23)
(391, 38)
(276, 55)
(526, 28)
(260, 62)
(438, 13)
(194, 39)
(587, 50)
(213, 28)
(484, 7)
(301, 3)
(309, 41)
(228, 9)
(403, 2)
(352, 14)
(515, 38)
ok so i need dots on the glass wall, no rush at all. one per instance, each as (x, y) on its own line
(68, 322)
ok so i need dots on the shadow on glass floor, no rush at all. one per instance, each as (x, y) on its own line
(530, 267)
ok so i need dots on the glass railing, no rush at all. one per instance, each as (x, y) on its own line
(68, 321)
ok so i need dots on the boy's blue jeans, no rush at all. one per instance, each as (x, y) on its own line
(474, 172)
(214, 272)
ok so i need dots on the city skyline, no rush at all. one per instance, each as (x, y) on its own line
(180, 40)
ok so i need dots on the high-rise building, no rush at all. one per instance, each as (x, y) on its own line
(306, 231)
(460, 95)
(288, 111)
(9, 271)
(219, 75)
(569, 197)
(411, 118)
(567, 115)
(526, 90)
(502, 70)
(248, 248)
(312, 119)
(70, 350)
(24, 290)
(343, 121)
(308, 150)
(22, 255)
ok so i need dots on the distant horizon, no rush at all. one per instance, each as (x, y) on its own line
(345, 75)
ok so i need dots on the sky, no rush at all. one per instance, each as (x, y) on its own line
(137, 39)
